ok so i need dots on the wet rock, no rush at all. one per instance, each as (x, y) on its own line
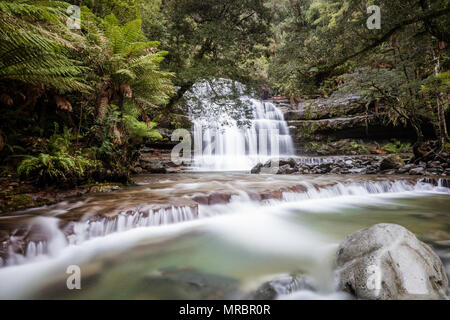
(290, 162)
(406, 168)
(418, 171)
(336, 171)
(429, 181)
(387, 262)
(219, 198)
(201, 199)
(434, 164)
(392, 162)
(136, 170)
(188, 283)
(326, 108)
(286, 169)
(154, 167)
(101, 188)
(257, 169)
(272, 289)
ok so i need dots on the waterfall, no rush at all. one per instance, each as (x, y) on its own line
(221, 144)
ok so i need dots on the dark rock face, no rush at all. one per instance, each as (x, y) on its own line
(327, 121)
(387, 262)
(157, 160)
(325, 108)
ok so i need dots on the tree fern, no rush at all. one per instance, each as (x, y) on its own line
(133, 64)
(36, 45)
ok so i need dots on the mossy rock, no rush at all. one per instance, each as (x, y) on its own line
(392, 162)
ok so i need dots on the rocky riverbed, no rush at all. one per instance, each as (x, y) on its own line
(387, 165)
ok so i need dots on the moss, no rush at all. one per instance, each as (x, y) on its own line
(447, 147)
(354, 146)
(13, 202)
(102, 187)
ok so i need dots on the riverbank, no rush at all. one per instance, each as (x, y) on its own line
(17, 194)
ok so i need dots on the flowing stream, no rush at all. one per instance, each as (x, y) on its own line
(127, 250)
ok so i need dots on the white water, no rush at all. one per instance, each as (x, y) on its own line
(221, 144)
(340, 194)
(259, 228)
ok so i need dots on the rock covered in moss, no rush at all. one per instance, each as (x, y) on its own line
(392, 162)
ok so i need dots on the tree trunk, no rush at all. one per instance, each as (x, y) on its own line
(442, 133)
(418, 153)
(103, 99)
(2, 141)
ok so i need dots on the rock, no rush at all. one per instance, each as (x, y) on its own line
(429, 181)
(388, 262)
(418, 171)
(406, 168)
(187, 283)
(286, 169)
(336, 170)
(136, 170)
(103, 188)
(257, 169)
(392, 162)
(156, 167)
(219, 198)
(291, 162)
(287, 285)
(434, 164)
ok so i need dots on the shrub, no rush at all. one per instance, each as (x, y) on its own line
(396, 147)
(57, 161)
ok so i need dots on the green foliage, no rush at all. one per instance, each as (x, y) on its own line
(396, 147)
(213, 38)
(36, 45)
(58, 162)
(355, 147)
(137, 130)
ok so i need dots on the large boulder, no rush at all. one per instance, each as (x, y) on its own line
(392, 162)
(387, 262)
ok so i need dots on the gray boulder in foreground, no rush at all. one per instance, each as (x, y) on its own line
(388, 262)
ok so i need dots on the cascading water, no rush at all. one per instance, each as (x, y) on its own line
(290, 231)
(221, 144)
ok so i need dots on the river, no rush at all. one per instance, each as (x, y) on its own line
(216, 251)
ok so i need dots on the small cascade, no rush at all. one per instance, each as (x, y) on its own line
(361, 189)
(59, 235)
(83, 231)
(75, 233)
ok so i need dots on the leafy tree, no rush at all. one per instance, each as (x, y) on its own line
(325, 45)
(213, 39)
